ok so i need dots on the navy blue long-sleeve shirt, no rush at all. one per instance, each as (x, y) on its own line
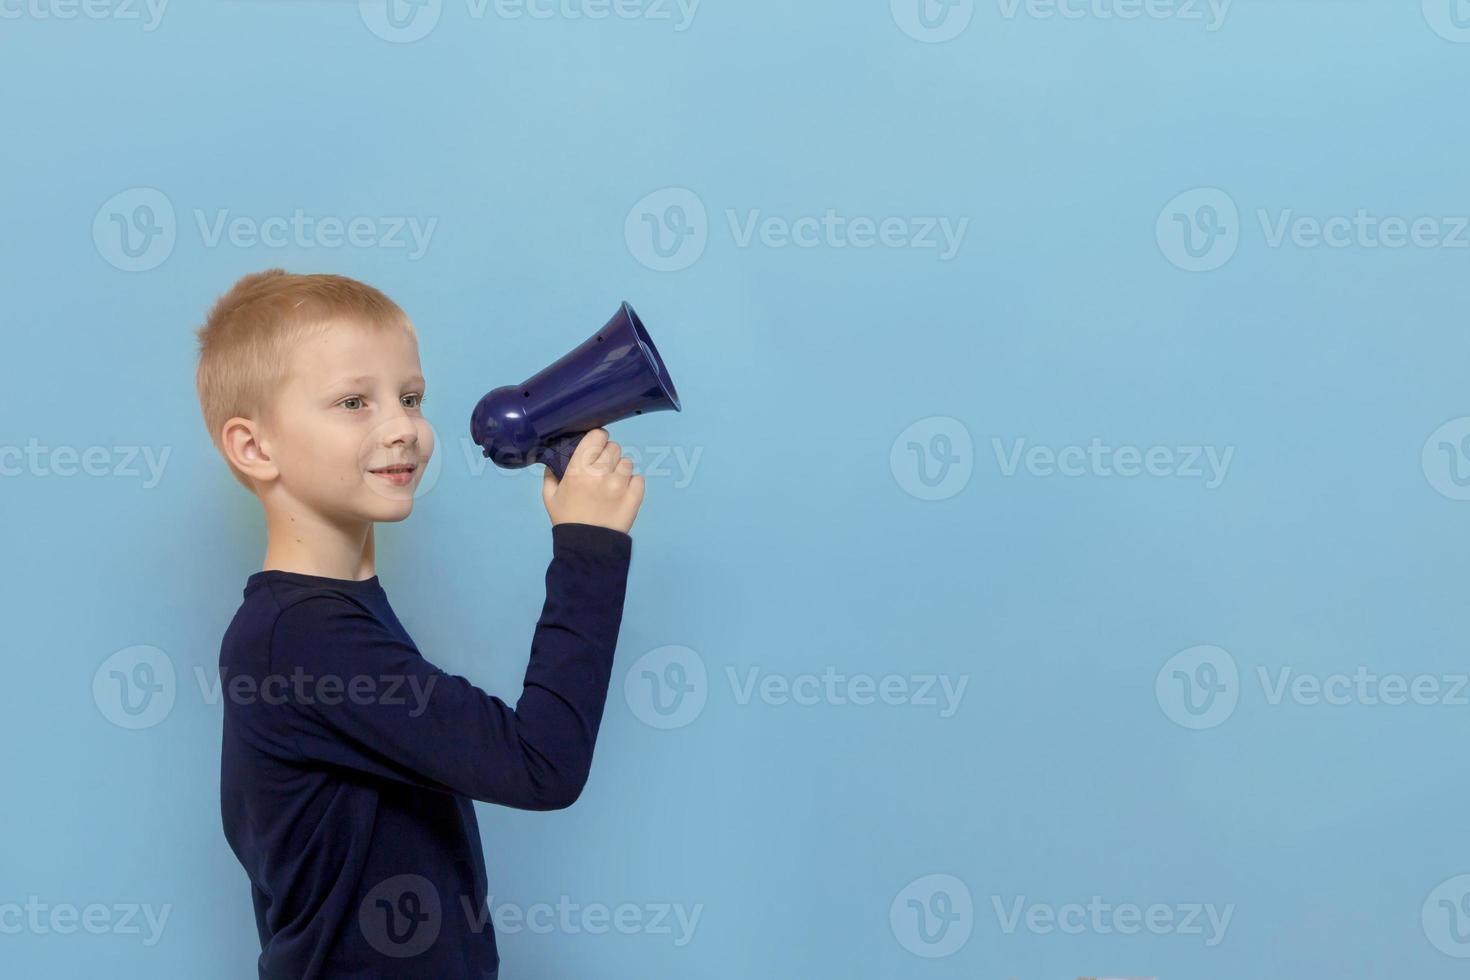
(349, 763)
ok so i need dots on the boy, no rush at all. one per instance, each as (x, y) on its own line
(349, 762)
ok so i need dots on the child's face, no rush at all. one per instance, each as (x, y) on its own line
(350, 406)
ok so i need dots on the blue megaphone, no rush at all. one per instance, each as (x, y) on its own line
(614, 374)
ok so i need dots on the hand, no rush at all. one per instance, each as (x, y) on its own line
(599, 486)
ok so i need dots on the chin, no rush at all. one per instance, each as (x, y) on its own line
(389, 505)
(391, 511)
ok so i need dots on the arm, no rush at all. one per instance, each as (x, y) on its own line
(412, 722)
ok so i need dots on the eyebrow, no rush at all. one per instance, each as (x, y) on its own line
(369, 379)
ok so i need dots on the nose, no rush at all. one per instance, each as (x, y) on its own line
(400, 429)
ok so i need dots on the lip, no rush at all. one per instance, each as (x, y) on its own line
(397, 474)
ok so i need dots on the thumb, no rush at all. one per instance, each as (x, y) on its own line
(549, 483)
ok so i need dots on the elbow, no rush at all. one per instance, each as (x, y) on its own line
(533, 790)
(548, 780)
(561, 793)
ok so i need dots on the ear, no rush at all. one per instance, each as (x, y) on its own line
(243, 445)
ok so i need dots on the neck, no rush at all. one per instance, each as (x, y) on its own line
(298, 540)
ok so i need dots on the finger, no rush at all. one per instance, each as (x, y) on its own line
(635, 491)
(625, 466)
(609, 456)
(590, 446)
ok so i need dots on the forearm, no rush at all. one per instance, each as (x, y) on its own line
(566, 684)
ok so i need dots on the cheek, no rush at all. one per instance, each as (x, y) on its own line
(331, 448)
(426, 438)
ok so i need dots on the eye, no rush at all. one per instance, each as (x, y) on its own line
(414, 401)
(347, 402)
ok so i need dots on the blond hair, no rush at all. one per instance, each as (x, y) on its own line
(246, 341)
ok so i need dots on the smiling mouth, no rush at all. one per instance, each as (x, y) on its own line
(395, 469)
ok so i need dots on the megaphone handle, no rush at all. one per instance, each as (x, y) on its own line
(556, 455)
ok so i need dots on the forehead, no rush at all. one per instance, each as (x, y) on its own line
(351, 347)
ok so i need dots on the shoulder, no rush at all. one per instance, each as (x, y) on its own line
(298, 603)
(317, 625)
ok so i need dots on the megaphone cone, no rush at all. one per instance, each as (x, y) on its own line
(614, 374)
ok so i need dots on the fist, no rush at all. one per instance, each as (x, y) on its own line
(599, 486)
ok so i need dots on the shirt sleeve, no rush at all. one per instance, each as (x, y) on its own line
(370, 702)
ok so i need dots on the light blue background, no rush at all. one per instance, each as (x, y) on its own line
(797, 545)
